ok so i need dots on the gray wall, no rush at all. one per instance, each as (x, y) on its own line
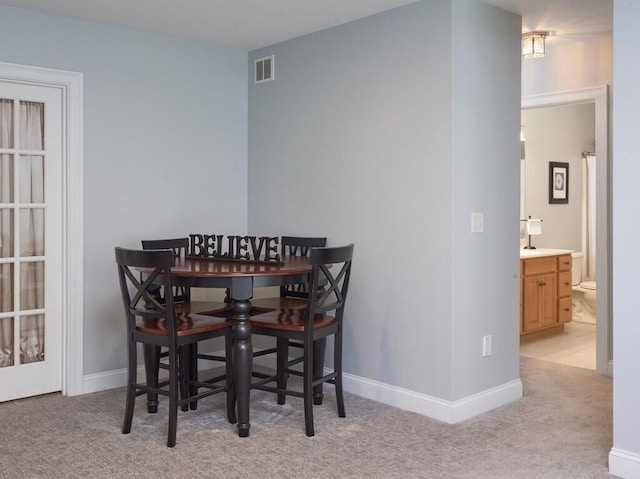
(485, 105)
(375, 135)
(557, 133)
(164, 146)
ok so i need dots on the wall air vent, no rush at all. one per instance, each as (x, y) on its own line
(263, 68)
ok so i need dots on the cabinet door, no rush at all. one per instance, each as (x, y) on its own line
(539, 308)
(548, 300)
(530, 312)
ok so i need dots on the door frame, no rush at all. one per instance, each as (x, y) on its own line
(70, 85)
(599, 96)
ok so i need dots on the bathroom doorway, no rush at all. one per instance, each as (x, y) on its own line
(582, 115)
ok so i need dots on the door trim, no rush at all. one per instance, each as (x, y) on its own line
(599, 96)
(70, 85)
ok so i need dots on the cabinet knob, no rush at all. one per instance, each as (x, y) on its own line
(566, 283)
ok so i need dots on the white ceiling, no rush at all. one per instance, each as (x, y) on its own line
(251, 24)
(566, 20)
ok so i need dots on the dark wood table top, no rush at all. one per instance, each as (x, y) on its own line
(208, 268)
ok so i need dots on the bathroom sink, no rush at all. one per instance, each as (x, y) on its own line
(539, 252)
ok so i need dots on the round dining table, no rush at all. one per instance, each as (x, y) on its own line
(240, 277)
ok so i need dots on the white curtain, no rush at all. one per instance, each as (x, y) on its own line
(589, 223)
(31, 231)
(6, 237)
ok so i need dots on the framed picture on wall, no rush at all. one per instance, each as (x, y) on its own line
(558, 183)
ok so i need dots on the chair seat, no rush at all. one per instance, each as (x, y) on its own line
(279, 302)
(290, 320)
(186, 324)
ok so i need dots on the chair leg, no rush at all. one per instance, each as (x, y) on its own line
(184, 373)
(131, 389)
(231, 389)
(319, 348)
(282, 357)
(151, 367)
(173, 398)
(193, 373)
(308, 390)
(337, 366)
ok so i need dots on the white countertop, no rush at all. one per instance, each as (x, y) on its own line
(535, 253)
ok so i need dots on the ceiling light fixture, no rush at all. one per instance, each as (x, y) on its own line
(533, 44)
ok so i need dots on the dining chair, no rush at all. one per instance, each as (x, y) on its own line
(331, 271)
(293, 296)
(159, 323)
(182, 299)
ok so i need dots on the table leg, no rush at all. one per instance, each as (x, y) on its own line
(241, 291)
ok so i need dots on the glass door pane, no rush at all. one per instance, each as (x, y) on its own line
(31, 339)
(6, 345)
(6, 127)
(6, 288)
(6, 233)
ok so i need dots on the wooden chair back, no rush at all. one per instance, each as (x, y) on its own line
(329, 281)
(138, 293)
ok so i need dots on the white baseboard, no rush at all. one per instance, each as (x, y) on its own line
(118, 378)
(92, 383)
(624, 464)
(447, 411)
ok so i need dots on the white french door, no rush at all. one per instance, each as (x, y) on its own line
(31, 273)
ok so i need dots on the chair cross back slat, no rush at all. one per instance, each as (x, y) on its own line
(331, 290)
(143, 293)
(328, 285)
(143, 302)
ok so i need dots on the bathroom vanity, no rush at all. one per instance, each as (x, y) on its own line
(545, 291)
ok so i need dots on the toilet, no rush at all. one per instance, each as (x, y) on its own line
(584, 293)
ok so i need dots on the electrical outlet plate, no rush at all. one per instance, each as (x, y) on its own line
(486, 346)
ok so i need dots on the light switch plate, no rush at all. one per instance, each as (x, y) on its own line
(477, 222)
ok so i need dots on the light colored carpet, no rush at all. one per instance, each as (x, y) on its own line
(562, 428)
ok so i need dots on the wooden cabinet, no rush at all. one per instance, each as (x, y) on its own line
(545, 295)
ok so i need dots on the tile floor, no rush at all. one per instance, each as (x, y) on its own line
(575, 347)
